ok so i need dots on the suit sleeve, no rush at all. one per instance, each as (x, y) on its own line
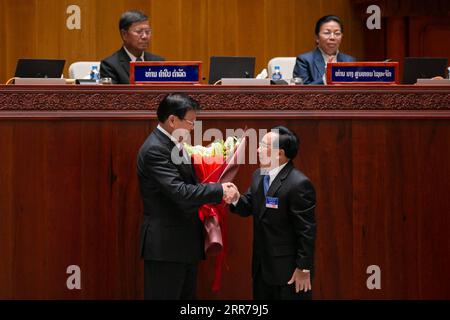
(157, 163)
(317, 81)
(301, 210)
(107, 70)
(154, 57)
(244, 205)
(302, 70)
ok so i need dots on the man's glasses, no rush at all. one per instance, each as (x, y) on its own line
(189, 121)
(264, 145)
(328, 34)
(141, 32)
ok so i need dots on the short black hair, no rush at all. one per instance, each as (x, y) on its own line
(176, 104)
(287, 140)
(130, 17)
(326, 19)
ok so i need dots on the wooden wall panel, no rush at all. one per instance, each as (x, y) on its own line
(385, 207)
(397, 41)
(182, 29)
(431, 34)
(409, 28)
(7, 211)
(69, 191)
(198, 29)
(69, 195)
(433, 240)
(393, 187)
(63, 217)
(332, 149)
(3, 40)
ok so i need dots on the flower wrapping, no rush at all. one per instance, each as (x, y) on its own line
(217, 163)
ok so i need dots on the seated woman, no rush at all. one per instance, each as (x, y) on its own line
(310, 66)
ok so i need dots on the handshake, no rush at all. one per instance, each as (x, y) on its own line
(230, 192)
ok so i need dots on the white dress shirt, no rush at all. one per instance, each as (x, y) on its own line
(177, 144)
(272, 174)
(327, 58)
(132, 57)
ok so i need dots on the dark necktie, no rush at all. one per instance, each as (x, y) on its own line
(266, 184)
(180, 153)
(139, 59)
(184, 156)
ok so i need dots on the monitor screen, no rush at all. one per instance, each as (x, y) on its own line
(423, 68)
(39, 68)
(231, 67)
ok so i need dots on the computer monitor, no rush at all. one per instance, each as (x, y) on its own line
(231, 67)
(423, 68)
(39, 68)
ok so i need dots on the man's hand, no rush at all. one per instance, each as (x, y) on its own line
(230, 192)
(302, 280)
(237, 195)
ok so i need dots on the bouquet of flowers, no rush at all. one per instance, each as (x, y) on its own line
(217, 163)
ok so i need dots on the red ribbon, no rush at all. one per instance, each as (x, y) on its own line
(209, 170)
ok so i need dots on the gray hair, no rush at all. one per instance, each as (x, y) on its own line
(130, 17)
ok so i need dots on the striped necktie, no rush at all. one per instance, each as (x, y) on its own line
(266, 184)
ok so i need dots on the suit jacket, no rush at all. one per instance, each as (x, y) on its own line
(117, 66)
(310, 66)
(172, 230)
(283, 238)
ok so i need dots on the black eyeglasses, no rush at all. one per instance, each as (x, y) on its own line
(189, 121)
(141, 32)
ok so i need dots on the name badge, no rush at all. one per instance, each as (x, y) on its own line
(271, 203)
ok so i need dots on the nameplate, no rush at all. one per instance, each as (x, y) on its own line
(378, 73)
(165, 72)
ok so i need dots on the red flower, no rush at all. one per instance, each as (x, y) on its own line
(216, 168)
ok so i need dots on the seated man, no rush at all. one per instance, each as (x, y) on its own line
(135, 32)
(311, 66)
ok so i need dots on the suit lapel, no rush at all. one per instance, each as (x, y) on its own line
(276, 185)
(319, 64)
(260, 194)
(125, 61)
(187, 170)
(148, 56)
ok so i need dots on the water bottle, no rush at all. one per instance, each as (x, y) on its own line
(277, 74)
(95, 75)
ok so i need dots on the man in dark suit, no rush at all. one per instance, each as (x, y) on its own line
(311, 66)
(281, 200)
(136, 33)
(172, 241)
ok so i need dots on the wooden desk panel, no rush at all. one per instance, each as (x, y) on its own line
(69, 192)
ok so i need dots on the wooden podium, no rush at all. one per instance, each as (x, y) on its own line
(379, 158)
